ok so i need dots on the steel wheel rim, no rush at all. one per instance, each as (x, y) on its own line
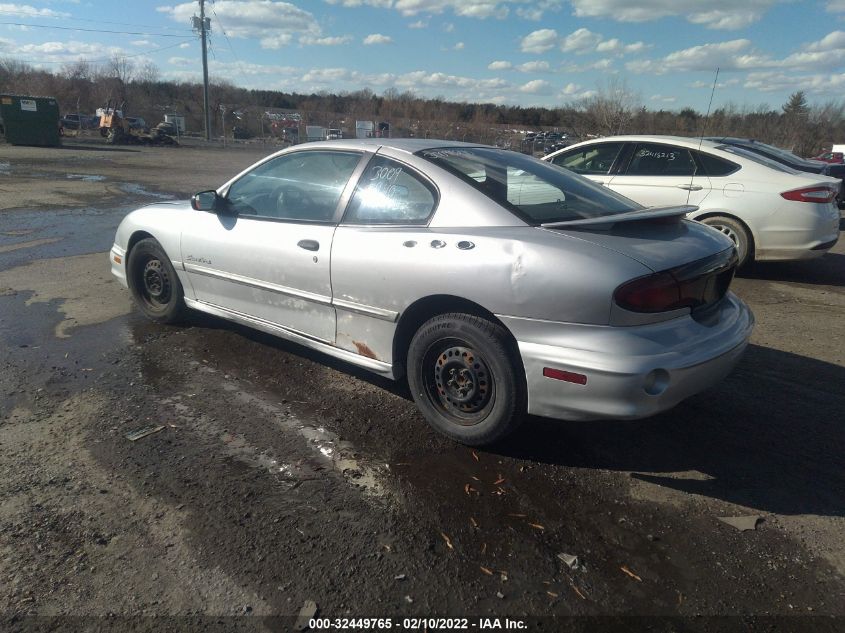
(156, 287)
(459, 382)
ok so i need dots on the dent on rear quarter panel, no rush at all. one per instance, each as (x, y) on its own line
(515, 271)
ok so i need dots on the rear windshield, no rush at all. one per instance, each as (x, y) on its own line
(536, 191)
(757, 158)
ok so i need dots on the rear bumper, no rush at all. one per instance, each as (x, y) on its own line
(630, 372)
(801, 231)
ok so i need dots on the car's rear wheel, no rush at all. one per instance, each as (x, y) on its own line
(153, 282)
(465, 378)
(738, 234)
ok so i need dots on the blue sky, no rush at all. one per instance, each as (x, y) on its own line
(522, 52)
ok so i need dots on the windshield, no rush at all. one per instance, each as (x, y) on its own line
(757, 158)
(536, 191)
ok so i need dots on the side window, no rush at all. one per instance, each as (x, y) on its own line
(388, 193)
(714, 166)
(651, 159)
(595, 159)
(303, 186)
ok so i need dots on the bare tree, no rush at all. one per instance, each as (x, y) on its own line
(147, 73)
(611, 109)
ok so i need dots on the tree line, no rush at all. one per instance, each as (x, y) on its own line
(613, 109)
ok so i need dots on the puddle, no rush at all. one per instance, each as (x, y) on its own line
(86, 177)
(82, 285)
(5, 169)
(341, 455)
(137, 190)
(8, 248)
(328, 450)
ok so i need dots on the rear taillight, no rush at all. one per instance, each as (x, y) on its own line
(700, 283)
(810, 194)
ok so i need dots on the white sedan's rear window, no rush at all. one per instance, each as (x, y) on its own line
(535, 190)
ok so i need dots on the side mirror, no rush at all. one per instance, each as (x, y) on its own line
(205, 201)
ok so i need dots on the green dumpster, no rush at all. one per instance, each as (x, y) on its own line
(30, 120)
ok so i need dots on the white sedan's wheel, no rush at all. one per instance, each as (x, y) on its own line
(734, 230)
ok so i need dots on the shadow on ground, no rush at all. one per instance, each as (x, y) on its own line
(770, 437)
(829, 270)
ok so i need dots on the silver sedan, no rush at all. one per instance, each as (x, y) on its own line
(499, 285)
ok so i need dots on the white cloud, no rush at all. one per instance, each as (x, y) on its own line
(526, 9)
(580, 42)
(309, 40)
(724, 55)
(832, 41)
(377, 38)
(67, 51)
(534, 67)
(463, 8)
(536, 87)
(181, 61)
(459, 46)
(826, 53)
(271, 22)
(836, 6)
(184, 45)
(714, 14)
(499, 65)
(385, 4)
(27, 11)
(570, 89)
(419, 24)
(539, 41)
(663, 98)
(600, 64)
(817, 83)
(616, 46)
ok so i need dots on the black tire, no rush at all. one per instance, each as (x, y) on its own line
(735, 230)
(466, 379)
(154, 284)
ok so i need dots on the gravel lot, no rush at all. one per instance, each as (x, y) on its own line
(281, 476)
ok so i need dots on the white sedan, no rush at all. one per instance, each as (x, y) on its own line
(770, 211)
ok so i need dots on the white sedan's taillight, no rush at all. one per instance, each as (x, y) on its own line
(810, 194)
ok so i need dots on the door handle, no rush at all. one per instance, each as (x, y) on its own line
(690, 187)
(309, 245)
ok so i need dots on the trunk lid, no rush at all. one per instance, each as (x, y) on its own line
(659, 238)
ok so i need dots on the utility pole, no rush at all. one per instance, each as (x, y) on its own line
(204, 26)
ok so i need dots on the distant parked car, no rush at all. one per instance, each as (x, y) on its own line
(770, 211)
(497, 283)
(785, 157)
(79, 121)
(831, 157)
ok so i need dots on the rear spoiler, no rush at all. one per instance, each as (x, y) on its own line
(650, 213)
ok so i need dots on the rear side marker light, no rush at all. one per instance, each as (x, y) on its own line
(810, 194)
(117, 259)
(566, 376)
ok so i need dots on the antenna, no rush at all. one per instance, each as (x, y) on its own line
(703, 129)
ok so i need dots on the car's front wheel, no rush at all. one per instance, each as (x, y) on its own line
(153, 282)
(738, 234)
(465, 377)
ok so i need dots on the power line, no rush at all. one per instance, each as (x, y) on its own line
(96, 61)
(63, 17)
(223, 30)
(72, 28)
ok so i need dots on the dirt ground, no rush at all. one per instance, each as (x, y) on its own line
(281, 476)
